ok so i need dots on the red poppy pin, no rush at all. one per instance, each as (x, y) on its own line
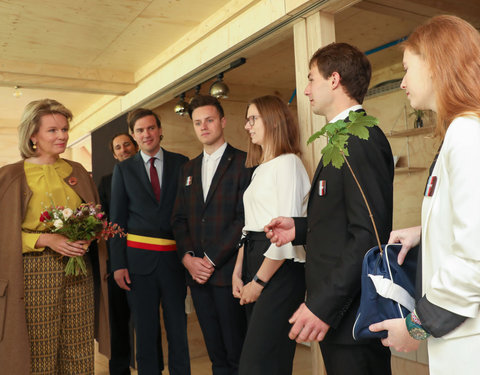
(72, 181)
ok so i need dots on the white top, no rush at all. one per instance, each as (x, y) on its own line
(209, 166)
(451, 228)
(158, 164)
(279, 187)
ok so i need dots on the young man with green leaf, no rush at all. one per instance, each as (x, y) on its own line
(338, 230)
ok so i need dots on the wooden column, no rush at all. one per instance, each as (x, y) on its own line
(310, 34)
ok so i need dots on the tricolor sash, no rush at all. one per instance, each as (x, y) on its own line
(150, 243)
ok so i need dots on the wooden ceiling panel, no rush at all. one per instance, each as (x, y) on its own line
(156, 28)
(71, 32)
(115, 34)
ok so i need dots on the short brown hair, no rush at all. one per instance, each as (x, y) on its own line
(139, 113)
(204, 100)
(350, 63)
(282, 135)
(450, 47)
(31, 119)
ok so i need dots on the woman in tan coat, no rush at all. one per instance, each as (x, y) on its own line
(47, 318)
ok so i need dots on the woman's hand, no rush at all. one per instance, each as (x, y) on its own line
(398, 336)
(62, 245)
(250, 292)
(237, 286)
(237, 283)
(408, 237)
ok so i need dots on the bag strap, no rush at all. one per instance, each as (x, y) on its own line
(388, 289)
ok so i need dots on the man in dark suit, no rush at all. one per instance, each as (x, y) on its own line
(338, 231)
(145, 263)
(122, 146)
(207, 223)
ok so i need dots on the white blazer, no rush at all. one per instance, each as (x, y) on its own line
(451, 227)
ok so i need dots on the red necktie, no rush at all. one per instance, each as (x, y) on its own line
(154, 179)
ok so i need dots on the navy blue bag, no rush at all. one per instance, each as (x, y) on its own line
(388, 290)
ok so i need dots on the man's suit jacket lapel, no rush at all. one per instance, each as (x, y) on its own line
(320, 165)
(142, 176)
(197, 181)
(221, 169)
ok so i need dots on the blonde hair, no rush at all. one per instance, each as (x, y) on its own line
(451, 48)
(30, 122)
(282, 135)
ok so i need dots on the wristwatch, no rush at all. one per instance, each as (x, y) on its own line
(259, 281)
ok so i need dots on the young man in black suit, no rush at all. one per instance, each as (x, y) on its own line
(122, 146)
(338, 231)
(145, 263)
(207, 223)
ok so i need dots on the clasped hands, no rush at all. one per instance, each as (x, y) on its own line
(199, 268)
(246, 293)
(62, 245)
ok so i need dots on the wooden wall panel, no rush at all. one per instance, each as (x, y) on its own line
(393, 111)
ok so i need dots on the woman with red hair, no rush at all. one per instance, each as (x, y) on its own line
(442, 74)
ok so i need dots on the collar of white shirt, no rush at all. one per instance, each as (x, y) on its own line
(344, 114)
(146, 158)
(217, 154)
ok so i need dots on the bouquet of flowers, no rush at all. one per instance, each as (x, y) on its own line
(87, 222)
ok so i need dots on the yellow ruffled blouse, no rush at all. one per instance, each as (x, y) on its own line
(49, 188)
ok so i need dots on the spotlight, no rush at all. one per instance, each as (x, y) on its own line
(219, 89)
(181, 108)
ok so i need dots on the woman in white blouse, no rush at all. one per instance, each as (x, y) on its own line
(269, 280)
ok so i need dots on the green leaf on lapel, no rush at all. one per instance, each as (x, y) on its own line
(339, 132)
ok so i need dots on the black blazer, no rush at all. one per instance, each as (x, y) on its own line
(104, 190)
(338, 230)
(134, 207)
(214, 226)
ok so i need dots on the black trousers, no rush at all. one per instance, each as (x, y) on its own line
(119, 314)
(223, 325)
(371, 358)
(267, 348)
(165, 285)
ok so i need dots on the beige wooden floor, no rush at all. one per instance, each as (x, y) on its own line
(302, 364)
(199, 361)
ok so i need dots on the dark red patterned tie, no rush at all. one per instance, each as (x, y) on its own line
(154, 179)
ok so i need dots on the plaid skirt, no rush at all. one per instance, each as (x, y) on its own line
(60, 315)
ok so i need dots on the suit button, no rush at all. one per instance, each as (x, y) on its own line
(203, 220)
(308, 230)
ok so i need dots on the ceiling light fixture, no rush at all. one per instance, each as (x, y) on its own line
(17, 93)
(181, 108)
(219, 89)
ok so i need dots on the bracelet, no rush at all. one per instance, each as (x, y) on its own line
(259, 281)
(414, 327)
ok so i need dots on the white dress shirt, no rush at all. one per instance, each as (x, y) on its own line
(344, 114)
(158, 164)
(209, 166)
